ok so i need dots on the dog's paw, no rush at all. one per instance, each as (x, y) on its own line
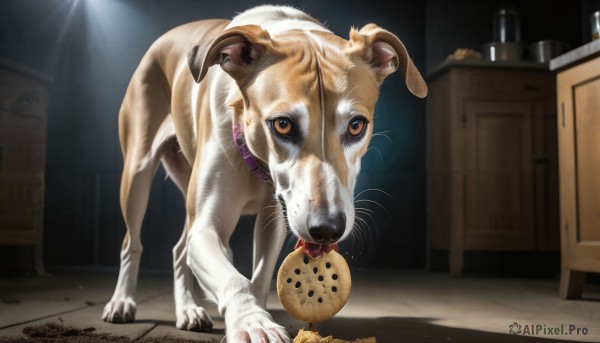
(257, 327)
(120, 311)
(193, 318)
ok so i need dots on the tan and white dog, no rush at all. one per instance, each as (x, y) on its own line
(290, 101)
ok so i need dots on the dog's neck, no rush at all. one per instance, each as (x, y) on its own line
(251, 162)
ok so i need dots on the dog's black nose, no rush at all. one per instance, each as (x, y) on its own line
(327, 229)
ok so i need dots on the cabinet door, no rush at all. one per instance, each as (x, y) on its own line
(498, 178)
(587, 145)
(579, 156)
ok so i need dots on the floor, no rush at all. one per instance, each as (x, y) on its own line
(392, 306)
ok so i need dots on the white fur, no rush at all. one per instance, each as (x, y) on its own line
(276, 19)
(195, 107)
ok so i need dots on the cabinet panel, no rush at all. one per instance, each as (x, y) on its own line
(21, 143)
(499, 178)
(587, 145)
(21, 202)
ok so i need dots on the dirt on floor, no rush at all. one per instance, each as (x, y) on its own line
(52, 332)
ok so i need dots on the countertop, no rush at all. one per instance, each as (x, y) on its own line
(581, 54)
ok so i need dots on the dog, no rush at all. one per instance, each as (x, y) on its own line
(278, 129)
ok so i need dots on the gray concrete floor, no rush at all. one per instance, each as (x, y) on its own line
(393, 306)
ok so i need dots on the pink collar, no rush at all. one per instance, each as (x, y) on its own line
(251, 162)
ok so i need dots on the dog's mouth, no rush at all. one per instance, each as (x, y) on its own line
(315, 250)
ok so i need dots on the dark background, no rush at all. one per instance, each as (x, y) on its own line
(91, 48)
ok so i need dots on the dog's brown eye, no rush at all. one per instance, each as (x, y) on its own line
(283, 126)
(357, 127)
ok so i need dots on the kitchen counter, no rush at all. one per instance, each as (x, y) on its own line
(581, 54)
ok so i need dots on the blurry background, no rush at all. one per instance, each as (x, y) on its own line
(92, 47)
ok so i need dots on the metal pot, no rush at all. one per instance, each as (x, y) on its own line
(595, 25)
(545, 50)
(507, 25)
(502, 51)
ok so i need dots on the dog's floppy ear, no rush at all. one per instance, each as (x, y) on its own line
(236, 49)
(385, 53)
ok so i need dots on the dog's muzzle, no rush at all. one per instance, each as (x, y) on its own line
(325, 230)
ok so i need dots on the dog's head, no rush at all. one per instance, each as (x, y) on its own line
(306, 107)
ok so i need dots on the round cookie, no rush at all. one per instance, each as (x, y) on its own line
(313, 290)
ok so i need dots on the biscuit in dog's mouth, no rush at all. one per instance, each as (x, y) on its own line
(315, 250)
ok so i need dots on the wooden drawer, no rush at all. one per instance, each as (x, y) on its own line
(477, 82)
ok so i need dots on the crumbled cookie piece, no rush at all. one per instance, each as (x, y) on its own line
(314, 337)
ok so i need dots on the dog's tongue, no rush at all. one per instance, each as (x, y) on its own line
(315, 250)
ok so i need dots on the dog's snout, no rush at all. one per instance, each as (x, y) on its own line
(327, 228)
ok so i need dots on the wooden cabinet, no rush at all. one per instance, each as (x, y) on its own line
(23, 105)
(492, 160)
(579, 156)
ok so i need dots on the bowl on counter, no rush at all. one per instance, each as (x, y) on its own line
(502, 51)
(545, 50)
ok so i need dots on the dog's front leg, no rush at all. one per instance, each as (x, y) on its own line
(213, 217)
(245, 319)
(269, 235)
